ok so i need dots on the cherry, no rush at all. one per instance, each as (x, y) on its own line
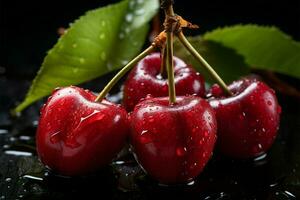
(247, 121)
(173, 143)
(146, 78)
(77, 136)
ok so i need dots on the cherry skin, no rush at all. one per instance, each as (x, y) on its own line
(247, 121)
(77, 136)
(145, 79)
(173, 143)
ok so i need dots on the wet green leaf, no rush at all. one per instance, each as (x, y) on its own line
(99, 42)
(263, 47)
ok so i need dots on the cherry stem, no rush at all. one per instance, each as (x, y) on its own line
(170, 68)
(163, 61)
(211, 71)
(122, 72)
(169, 58)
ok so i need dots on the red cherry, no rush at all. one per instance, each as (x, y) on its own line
(145, 79)
(173, 143)
(77, 136)
(248, 121)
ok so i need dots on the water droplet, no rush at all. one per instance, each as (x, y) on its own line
(204, 154)
(201, 141)
(151, 119)
(75, 70)
(289, 194)
(33, 177)
(3, 131)
(74, 45)
(159, 77)
(103, 55)
(124, 62)
(55, 137)
(181, 151)
(259, 146)
(81, 60)
(94, 113)
(263, 130)
(139, 11)
(145, 137)
(242, 116)
(121, 35)
(129, 17)
(195, 129)
(24, 137)
(8, 179)
(102, 36)
(190, 183)
(261, 157)
(127, 30)
(193, 165)
(205, 133)
(18, 153)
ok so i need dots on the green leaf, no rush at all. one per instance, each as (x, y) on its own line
(99, 42)
(265, 48)
(226, 62)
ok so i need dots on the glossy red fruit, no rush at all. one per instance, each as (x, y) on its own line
(145, 79)
(247, 121)
(77, 136)
(173, 143)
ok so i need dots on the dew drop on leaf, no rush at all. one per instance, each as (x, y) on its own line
(102, 36)
(81, 60)
(139, 11)
(129, 17)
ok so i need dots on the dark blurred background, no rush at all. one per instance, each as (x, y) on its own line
(29, 28)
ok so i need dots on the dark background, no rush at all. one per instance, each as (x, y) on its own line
(29, 28)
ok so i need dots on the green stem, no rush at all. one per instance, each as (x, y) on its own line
(194, 52)
(163, 62)
(169, 58)
(170, 68)
(122, 72)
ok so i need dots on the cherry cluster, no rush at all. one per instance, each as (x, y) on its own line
(172, 142)
(172, 137)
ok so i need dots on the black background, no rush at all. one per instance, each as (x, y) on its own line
(29, 28)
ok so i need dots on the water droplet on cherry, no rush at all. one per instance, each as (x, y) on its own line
(181, 151)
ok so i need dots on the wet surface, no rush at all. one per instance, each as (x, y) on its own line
(275, 175)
